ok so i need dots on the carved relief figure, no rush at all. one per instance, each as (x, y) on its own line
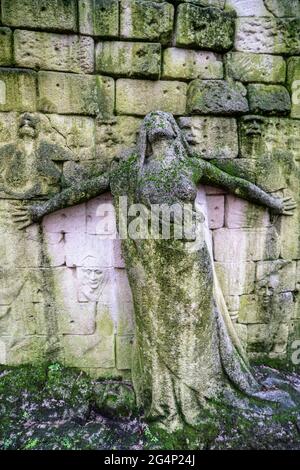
(29, 171)
(186, 353)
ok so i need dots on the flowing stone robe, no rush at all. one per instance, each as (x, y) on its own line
(183, 354)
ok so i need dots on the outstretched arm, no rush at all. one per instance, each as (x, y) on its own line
(26, 214)
(244, 189)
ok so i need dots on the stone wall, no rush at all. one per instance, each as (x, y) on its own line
(229, 70)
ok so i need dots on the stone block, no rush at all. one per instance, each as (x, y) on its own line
(8, 128)
(64, 93)
(203, 3)
(236, 278)
(207, 28)
(49, 51)
(116, 136)
(60, 15)
(75, 134)
(293, 79)
(187, 64)
(268, 35)
(276, 276)
(54, 247)
(240, 213)
(248, 67)
(290, 236)
(216, 97)
(249, 7)
(211, 137)
(101, 217)
(83, 250)
(17, 90)
(215, 207)
(128, 59)
(246, 244)
(268, 99)
(89, 351)
(70, 220)
(263, 307)
(151, 21)
(124, 352)
(6, 47)
(261, 136)
(282, 9)
(232, 302)
(99, 18)
(139, 97)
(260, 339)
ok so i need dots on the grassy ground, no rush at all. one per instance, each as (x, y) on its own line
(52, 407)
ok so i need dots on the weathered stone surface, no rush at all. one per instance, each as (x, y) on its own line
(243, 214)
(207, 28)
(67, 53)
(124, 351)
(287, 8)
(236, 278)
(268, 99)
(248, 67)
(139, 97)
(65, 93)
(246, 244)
(188, 64)
(232, 302)
(74, 133)
(17, 90)
(8, 127)
(58, 15)
(269, 35)
(116, 136)
(215, 207)
(211, 137)
(249, 7)
(6, 47)
(151, 21)
(128, 59)
(88, 350)
(260, 339)
(259, 136)
(99, 18)
(277, 276)
(203, 3)
(216, 97)
(290, 236)
(293, 79)
(266, 307)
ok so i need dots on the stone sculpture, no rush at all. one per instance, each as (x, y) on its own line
(186, 353)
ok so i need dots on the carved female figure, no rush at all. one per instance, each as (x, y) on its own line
(186, 352)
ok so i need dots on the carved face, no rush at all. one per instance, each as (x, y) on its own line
(267, 287)
(28, 126)
(92, 277)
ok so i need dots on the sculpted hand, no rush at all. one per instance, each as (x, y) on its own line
(23, 215)
(287, 206)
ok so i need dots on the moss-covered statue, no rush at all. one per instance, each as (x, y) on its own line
(186, 352)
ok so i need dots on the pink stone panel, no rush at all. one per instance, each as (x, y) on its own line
(70, 220)
(101, 219)
(242, 214)
(215, 209)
